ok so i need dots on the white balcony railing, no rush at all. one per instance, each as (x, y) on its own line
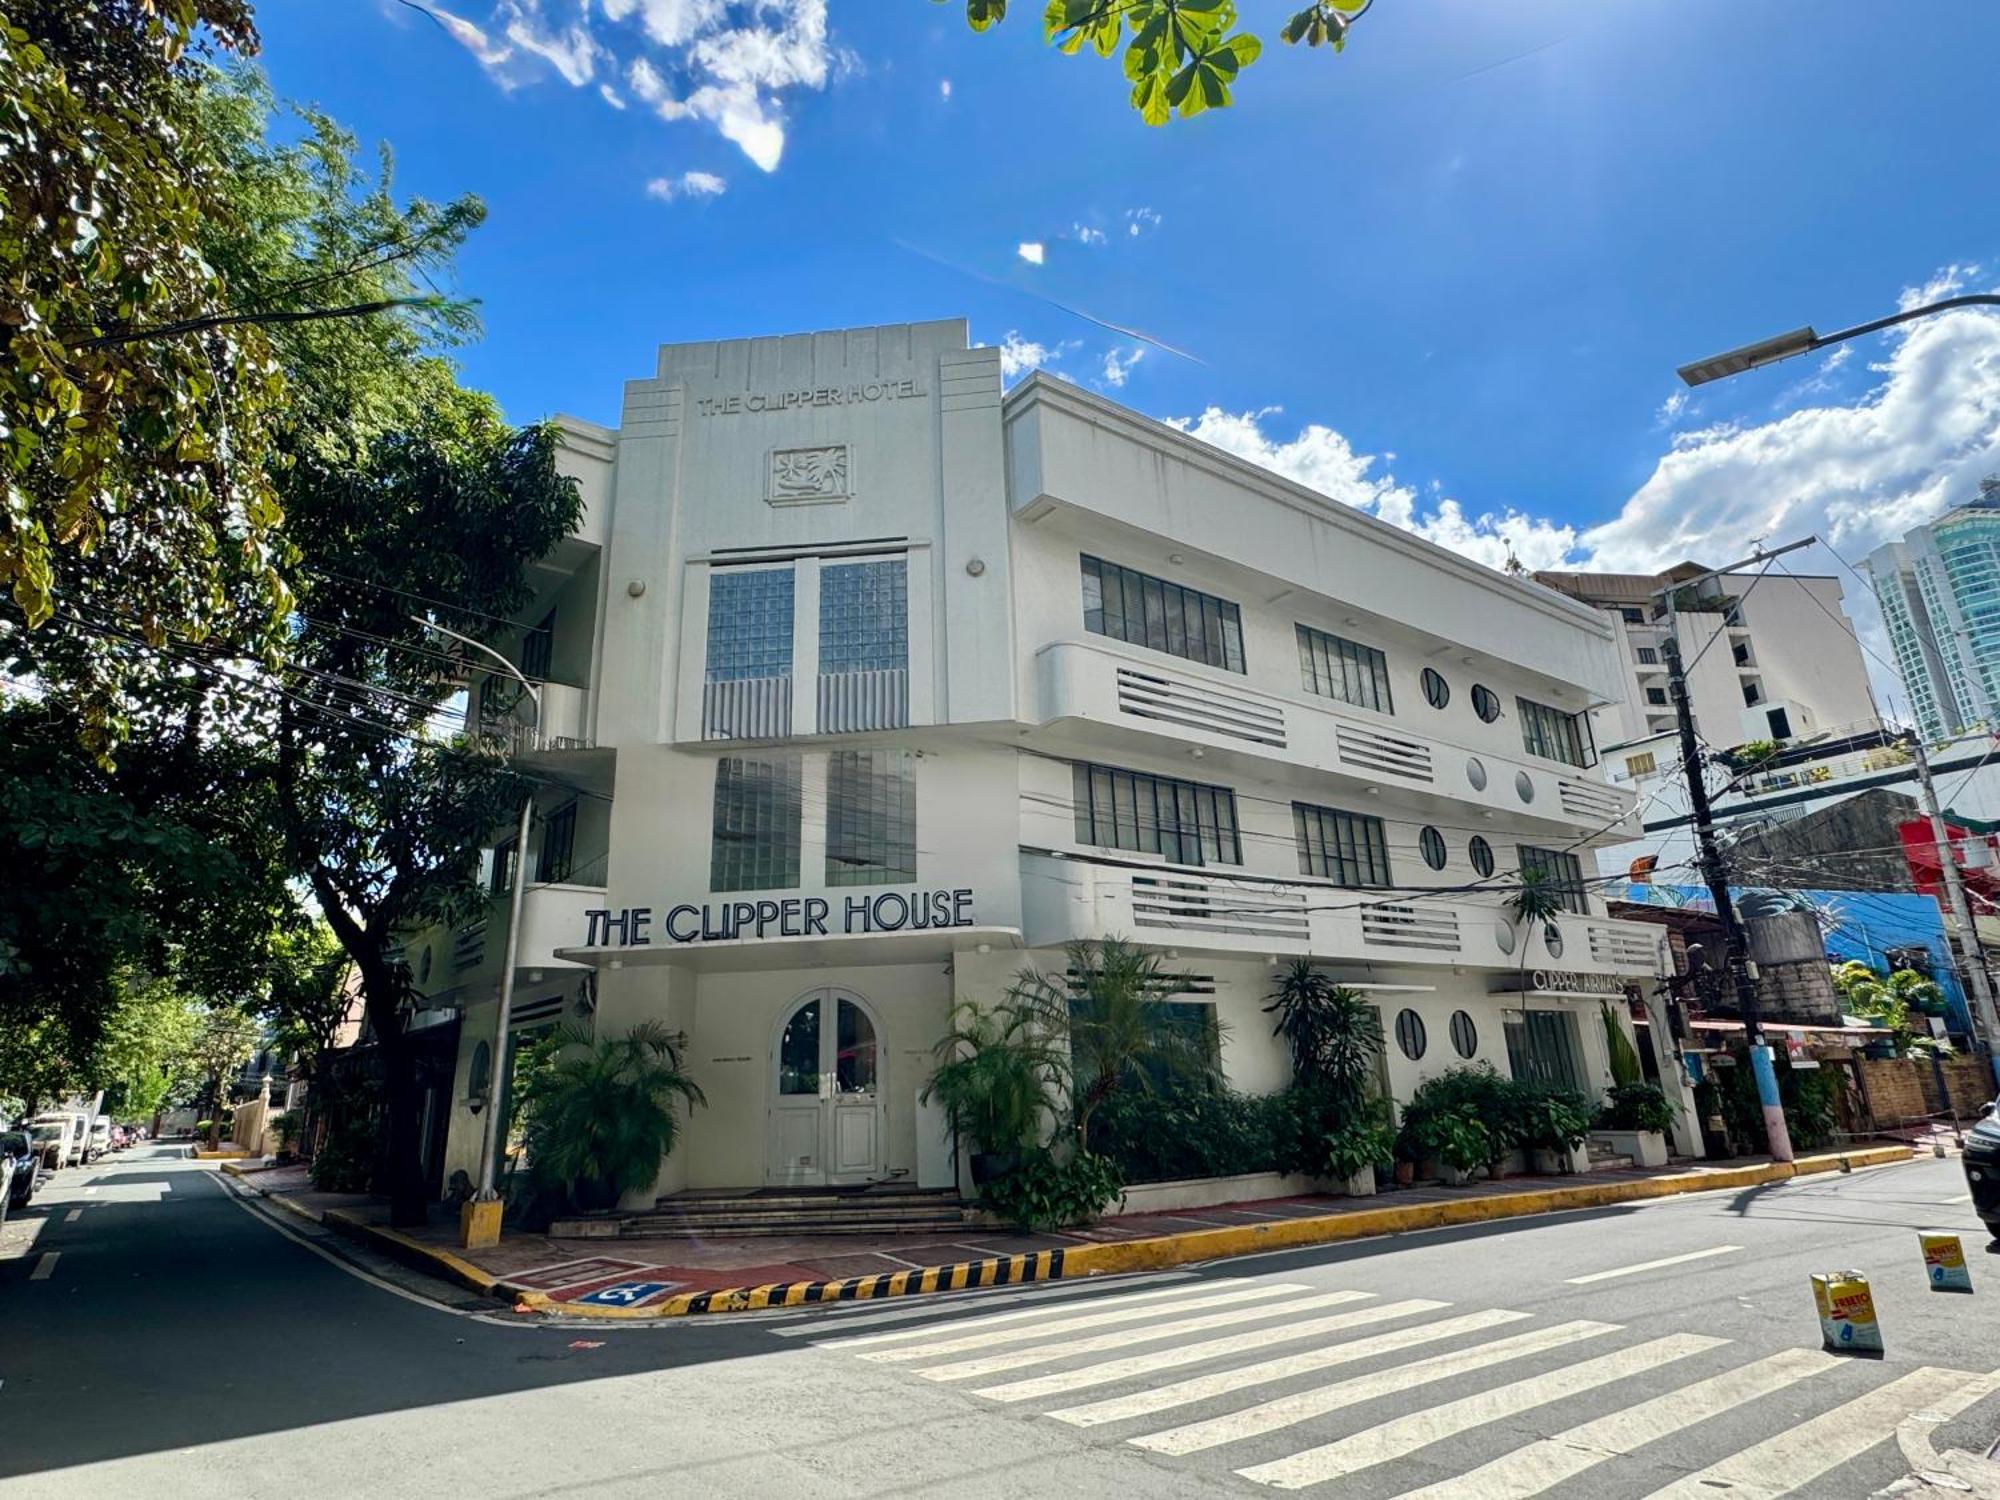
(1207, 910)
(1104, 683)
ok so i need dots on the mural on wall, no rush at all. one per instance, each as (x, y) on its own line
(1883, 929)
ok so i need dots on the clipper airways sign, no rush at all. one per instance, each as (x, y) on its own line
(794, 916)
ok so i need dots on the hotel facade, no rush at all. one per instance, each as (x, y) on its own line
(866, 684)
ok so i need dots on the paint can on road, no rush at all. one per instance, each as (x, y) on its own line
(1846, 1312)
(1944, 1262)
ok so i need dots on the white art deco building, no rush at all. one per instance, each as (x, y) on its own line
(868, 684)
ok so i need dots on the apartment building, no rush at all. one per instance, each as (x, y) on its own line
(870, 685)
(1939, 588)
(1767, 656)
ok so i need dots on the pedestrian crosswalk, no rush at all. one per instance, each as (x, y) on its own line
(1300, 1388)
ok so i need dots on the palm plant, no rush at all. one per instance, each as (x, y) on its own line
(997, 1074)
(1114, 1006)
(1535, 901)
(605, 1116)
(1333, 1034)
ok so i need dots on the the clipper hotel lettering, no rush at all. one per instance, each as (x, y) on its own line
(795, 916)
(825, 395)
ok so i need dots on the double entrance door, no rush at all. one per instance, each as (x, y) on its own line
(826, 1124)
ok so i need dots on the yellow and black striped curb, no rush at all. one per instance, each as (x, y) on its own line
(1151, 1254)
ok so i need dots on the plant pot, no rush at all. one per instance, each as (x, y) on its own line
(1452, 1176)
(1567, 1161)
(1361, 1184)
(988, 1165)
(1406, 1173)
(593, 1195)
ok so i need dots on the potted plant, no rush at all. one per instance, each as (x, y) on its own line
(1634, 1120)
(1556, 1122)
(995, 1077)
(1456, 1139)
(608, 1113)
(286, 1128)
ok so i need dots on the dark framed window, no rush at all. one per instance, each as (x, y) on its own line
(1411, 1036)
(1485, 702)
(1431, 844)
(557, 858)
(1633, 615)
(755, 834)
(749, 623)
(500, 879)
(864, 616)
(1555, 735)
(1437, 692)
(1347, 848)
(871, 818)
(1335, 667)
(1464, 1035)
(1656, 695)
(1481, 854)
(1561, 870)
(536, 648)
(1186, 821)
(1649, 656)
(1162, 616)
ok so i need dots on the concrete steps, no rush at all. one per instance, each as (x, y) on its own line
(1604, 1159)
(887, 1210)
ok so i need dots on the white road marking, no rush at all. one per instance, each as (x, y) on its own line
(1107, 1371)
(1110, 1299)
(986, 1338)
(1222, 1382)
(1119, 1338)
(88, 1191)
(1799, 1455)
(1652, 1265)
(1419, 1429)
(1288, 1411)
(1541, 1466)
(72, 1216)
(45, 1266)
(1961, 1198)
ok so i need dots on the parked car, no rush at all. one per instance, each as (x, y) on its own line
(20, 1171)
(99, 1143)
(1982, 1168)
(59, 1136)
(120, 1137)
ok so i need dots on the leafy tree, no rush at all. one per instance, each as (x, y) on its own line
(224, 1037)
(147, 1052)
(1180, 56)
(310, 997)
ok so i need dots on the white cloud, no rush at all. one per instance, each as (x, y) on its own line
(1671, 408)
(1019, 355)
(1030, 251)
(726, 64)
(944, 89)
(1139, 220)
(687, 185)
(1118, 364)
(1085, 234)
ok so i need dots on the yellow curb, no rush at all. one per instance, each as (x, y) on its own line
(1135, 1255)
(221, 1155)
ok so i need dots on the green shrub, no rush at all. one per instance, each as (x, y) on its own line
(997, 1075)
(1553, 1119)
(1187, 1128)
(1044, 1192)
(1636, 1106)
(1322, 1135)
(1467, 1111)
(346, 1159)
(609, 1115)
(1456, 1136)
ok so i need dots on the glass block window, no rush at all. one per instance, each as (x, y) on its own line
(1163, 616)
(1186, 821)
(871, 818)
(755, 844)
(1335, 667)
(1556, 735)
(864, 616)
(1346, 848)
(749, 623)
(558, 854)
(1561, 870)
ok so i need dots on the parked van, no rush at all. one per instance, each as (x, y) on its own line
(59, 1137)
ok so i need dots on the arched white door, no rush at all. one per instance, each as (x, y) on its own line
(826, 1094)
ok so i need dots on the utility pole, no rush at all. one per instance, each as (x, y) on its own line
(1742, 972)
(1966, 939)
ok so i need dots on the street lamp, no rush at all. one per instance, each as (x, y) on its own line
(1805, 340)
(480, 1225)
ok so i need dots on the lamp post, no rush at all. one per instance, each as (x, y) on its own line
(1805, 340)
(479, 1221)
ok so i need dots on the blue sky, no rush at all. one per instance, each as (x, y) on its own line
(1446, 275)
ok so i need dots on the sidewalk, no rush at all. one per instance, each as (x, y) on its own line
(668, 1277)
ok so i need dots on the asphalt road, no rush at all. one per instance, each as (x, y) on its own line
(161, 1337)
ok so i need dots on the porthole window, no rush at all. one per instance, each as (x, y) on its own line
(1410, 1035)
(1437, 692)
(1464, 1035)
(1503, 934)
(1524, 786)
(1431, 843)
(1475, 772)
(1481, 854)
(1552, 939)
(1485, 702)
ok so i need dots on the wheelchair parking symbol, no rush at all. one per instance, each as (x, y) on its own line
(626, 1293)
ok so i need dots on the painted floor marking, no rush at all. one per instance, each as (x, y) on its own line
(1109, 1371)
(1799, 1455)
(1104, 1298)
(1123, 1313)
(1222, 1382)
(72, 1216)
(1539, 1466)
(1653, 1265)
(1419, 1429)
(1120, 1338)
(45, 1266)
(1303, 1406)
